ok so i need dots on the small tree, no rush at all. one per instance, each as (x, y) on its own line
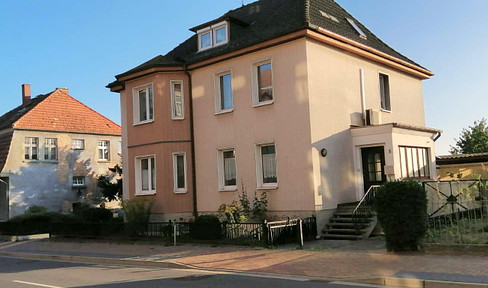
(402, 212)
(111, 190)
(472, 140)
(244, 211)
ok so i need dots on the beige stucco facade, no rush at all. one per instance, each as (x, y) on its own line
(49, 183)
(320, 95)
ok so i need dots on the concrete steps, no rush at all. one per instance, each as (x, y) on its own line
(343, 227)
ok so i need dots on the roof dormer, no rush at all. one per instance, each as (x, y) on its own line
(213, 35)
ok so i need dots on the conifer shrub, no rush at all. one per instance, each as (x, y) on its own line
(206, 227)
(402, 212)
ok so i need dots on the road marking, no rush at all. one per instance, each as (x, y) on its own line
(35, 284)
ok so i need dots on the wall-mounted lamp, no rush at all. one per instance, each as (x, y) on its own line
(323, 152)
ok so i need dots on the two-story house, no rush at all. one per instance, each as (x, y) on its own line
(52, 149)
(293, 97)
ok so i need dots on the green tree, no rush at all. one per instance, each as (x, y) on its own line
(472, 140)
(111, 190)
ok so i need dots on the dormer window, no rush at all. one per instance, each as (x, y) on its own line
(212, 36)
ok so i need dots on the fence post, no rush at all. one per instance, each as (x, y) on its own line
(265, 233)
(300, 233)
(174, 233)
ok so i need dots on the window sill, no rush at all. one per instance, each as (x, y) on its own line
(143, 122)
(103, 161)
(225, 111)
(50, 161)
(182, 191)
(228, 189)
(268, 187)
(264, 103)
(31, 161)
(145, 193)
(385, 110)
(177, 118)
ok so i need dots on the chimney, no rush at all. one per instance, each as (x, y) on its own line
(26, 94)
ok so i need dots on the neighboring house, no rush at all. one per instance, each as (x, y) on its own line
(52, 149)
(292, 97)
(467, 166)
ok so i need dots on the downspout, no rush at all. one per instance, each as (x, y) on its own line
(363, 94)
(192, 143)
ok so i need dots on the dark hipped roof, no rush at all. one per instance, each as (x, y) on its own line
(462, 158)
(265, 20)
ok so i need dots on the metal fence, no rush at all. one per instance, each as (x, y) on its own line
(171, 232)
(291, 231)
(458, 212)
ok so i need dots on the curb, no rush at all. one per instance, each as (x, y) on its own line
(87, 259)
(417, 283)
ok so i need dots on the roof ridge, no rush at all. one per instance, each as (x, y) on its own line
(93, 110)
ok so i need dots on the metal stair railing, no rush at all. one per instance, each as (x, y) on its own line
(365, 207)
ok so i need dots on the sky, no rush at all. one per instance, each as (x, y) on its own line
(82, 45)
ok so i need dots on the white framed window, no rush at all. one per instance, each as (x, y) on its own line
(414, 162)
(78, 181)
(50, 149)
(143, 104)
(227, 172)
(266, 166)
(205, 39)
(31, 145)
(145, 168)
(78, 144)
(224, 101)
(177, 100)
(213, 35)
(384, 83)
(262, 73)
(179, 172)
(104, 150)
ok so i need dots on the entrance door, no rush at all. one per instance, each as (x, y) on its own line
(4, 199)
(373, 166)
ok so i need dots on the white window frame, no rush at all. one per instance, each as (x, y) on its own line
(411, 154)
(135, 106)
(173, 100)
(218, 92)
(255, 83)
(213, 35)
(138, 176)
(31, 145)
(102, 147)
(259, 166)
(77, 183)
(386, 109)
(48, 147)
(221, 169)
(78, 147)
(176, 189)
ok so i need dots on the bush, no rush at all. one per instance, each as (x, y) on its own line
(35, 209)
(402, 212)
(34, 223)
(206, 227)
(92, 214)
(137, 210)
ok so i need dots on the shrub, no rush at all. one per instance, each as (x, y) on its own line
(35, 209)
(206, 227)
(137, 210)
(402, 212)
(35, 223)
(92, 214)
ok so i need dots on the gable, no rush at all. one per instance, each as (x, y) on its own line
(61, 112)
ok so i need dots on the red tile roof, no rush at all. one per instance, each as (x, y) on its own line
(58, 111)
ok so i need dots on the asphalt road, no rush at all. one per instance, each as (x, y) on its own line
(27, 273)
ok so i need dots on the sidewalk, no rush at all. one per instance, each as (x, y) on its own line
(319, 260)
